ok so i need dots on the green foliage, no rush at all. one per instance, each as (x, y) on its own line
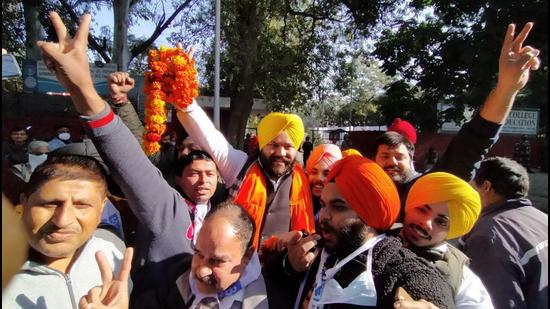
(452, 55)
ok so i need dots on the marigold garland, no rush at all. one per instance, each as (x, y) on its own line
(172, 77)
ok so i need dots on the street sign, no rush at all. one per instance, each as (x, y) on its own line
(10, 67)
(38, 78)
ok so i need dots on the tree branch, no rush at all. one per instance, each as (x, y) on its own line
(137, 50)
(91, 40)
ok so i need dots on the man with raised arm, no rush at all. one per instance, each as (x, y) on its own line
(395, 152)
(270, 185)
(167, 228)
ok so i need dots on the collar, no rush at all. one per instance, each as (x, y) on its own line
(236, 291)
(506, 205)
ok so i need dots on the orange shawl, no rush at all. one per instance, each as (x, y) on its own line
(253, 194)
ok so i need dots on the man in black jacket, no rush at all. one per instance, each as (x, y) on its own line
(359, 265)
(508, 245)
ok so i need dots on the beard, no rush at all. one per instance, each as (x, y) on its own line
(399, 177)
(348, 239)
(271, 166)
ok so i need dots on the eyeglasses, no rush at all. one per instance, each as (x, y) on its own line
(39, 153)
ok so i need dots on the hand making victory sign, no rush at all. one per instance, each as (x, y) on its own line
(113, 293)
(516, 61)
(68, 58)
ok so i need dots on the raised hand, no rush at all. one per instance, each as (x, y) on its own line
(68, 58)
(516, 61)
(113, 293)
(120, 83)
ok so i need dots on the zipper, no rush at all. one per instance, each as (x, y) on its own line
(71, 292)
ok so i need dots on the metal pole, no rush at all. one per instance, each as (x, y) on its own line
(217, 68)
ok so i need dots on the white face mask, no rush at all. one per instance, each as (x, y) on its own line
(64, 136)
(36, 160)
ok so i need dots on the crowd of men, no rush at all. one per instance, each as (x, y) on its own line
(211, 226)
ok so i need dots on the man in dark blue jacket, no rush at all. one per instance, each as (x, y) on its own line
(508, 245)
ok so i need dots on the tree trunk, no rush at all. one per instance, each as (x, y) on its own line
(121, 53)
(243, 97)
(33, 28)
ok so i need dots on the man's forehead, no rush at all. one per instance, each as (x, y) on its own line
(399, 148)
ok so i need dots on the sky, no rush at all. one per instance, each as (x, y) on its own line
(145, 28)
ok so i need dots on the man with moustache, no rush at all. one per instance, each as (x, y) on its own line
(359, 265)
(270, 185)
(476, 137)
(441, 206)
(225, 271)
(167, 222)
(317, 168)
(60, 210)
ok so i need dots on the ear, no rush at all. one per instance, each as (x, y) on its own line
(486, 186)
(19, 211)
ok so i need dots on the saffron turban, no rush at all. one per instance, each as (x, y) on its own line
(325, 153)
(404, 128)
(369, 191)
(274, 124)
(351, 152)
(464, 202)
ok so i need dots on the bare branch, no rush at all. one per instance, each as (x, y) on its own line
(158, 31)
(91, 40)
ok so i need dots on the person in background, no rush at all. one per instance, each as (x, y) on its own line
(508, 245)
(15, 150)
(346, 143)
(246, 142)
(62, 138)
(431, 159)
(307, 147)
(38, 153)
(317, 168)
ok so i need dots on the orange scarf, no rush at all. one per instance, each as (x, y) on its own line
(252, 197)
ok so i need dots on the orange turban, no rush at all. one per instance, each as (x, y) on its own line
(326, 153)
(351, 152)
(464, 202)
(274, 124)
(368, 190)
